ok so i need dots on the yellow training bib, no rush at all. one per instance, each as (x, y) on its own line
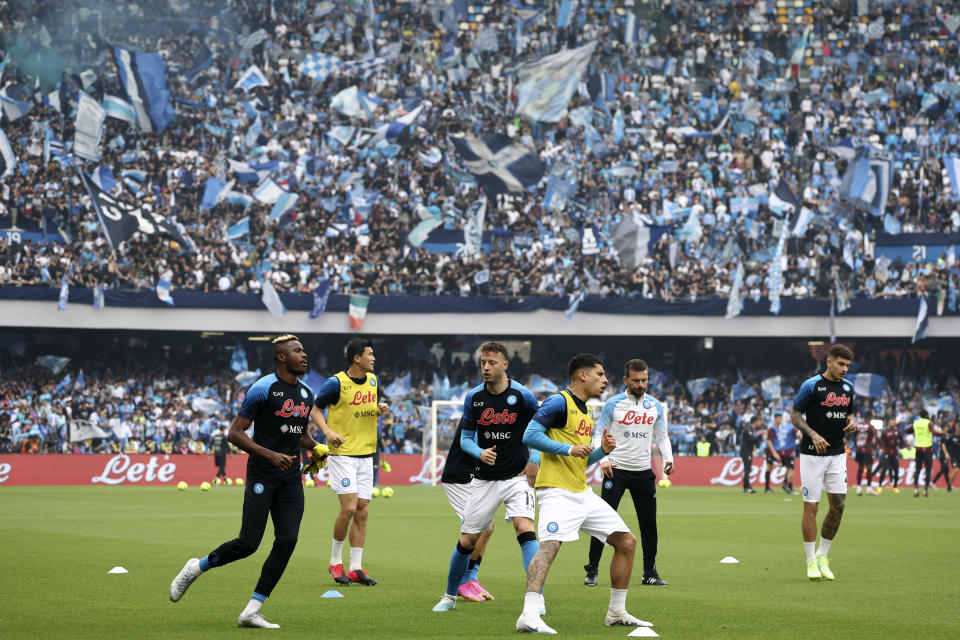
(354, 416)
(567, 472)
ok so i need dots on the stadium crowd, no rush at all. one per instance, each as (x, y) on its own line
(676, 121)
(177, 407)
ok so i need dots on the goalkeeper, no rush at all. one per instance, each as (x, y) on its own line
(278, 405)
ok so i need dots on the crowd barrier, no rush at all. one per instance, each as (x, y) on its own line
(405, 469)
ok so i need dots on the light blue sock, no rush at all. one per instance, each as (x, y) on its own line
(205, 564)
(459, 560)
(258, 596)
(528, 549)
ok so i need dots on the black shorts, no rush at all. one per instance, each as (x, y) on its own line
(864, 458)
(786, 459)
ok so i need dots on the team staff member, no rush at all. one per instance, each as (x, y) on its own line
(562, 431)
(353, 401)
(923, 431)
(219, 445)
(823, 412)
(278, 405)
(750, 437)
(781, 441)
(635, 419)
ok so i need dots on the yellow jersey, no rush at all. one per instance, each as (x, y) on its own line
(567, 472)
(352, 413)
(922, 437)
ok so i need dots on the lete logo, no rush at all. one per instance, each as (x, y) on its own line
(5, 470)
(118, 469)
(732, 473)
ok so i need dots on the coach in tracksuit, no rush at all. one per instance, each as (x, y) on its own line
(635, 419)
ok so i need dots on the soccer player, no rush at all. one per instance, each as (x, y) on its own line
(219, 445)
(749, 438)
(890, 443)
(827, 402)
(562, 430)
(923, 431)
(495, 415)
(353, 401)
(781, 441)
(458, 473)
(864, 442)
(278, 405)
(635, 418)
(951, 450)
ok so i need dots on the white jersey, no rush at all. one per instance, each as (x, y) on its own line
(634, 423)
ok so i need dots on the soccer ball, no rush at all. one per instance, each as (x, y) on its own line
(387, 492)
(664, 482)
(182, 485)
(375, 492)
(229, 482)
(879, 490)
(217, 481)
(238, 482)
(204, 486)
(309, 482)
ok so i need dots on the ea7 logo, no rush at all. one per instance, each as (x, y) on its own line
(279, 394)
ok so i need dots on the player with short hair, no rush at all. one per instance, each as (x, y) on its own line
(635, 418)
(218, 443)
(827, 401)
(864, 443)
(278, 405)
(890, 442)
(354, 402)
(495, 415)
(951, 450)
(923, 431)
(781, 443)
(749, 438)
(562, 430)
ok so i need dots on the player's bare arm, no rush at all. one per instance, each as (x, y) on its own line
(819, 443)
(238, 437)
(332, 436)
(540, 565)
(831, 522)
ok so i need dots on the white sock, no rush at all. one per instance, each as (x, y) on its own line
(824, 547)
(618, 599)
(809, 547)
(356, 555)
(252, 607)
(532, 601)
(336, 552)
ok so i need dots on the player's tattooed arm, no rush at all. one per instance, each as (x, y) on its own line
(540, 565)
(818, 442)
(831, 522)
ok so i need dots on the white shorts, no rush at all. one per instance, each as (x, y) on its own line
(564, 513)
(823, 473)
(457, 495)
(349, 474)
(486, 496)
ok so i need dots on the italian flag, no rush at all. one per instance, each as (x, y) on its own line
(358, 310)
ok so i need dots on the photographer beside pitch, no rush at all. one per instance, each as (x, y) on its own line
(827, 402)
(279, 406)
(635, 419)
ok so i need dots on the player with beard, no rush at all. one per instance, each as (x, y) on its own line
(495, 415)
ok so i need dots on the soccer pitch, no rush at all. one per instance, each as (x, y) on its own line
(894, 555)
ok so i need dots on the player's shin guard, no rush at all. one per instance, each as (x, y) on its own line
(458, 566)
(528, 547)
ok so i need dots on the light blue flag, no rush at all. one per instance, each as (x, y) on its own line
(252, 78)
(285, 202)
(771, 387)
(63, 384)
(697, 386)
(211, 193)
(56, 364)
(81, 382)
(870, 385)
(952, 165)
(775, 271)
(399, 388)
(254, 132)
(920, 332)
(239, 229)
(98, 301)
(119, 108)
(574, 302)
(539, 384)
(238, 358)
(64, 295)
(247, 378)
(163, 292)
(735, 302)
(271, 300)
(544, 87)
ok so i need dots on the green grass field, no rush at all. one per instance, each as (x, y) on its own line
(895, 555)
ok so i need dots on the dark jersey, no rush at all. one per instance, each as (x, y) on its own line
(748, 440)
(460, 466)
(500, 420)
(825, 406)
(890, 441)
(952, 441)
(864, 438)
(219, 444)
(280, 414)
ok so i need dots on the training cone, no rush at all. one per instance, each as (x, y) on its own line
(643, 632)
(729, 560)
(333, 593)
(118, 570)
